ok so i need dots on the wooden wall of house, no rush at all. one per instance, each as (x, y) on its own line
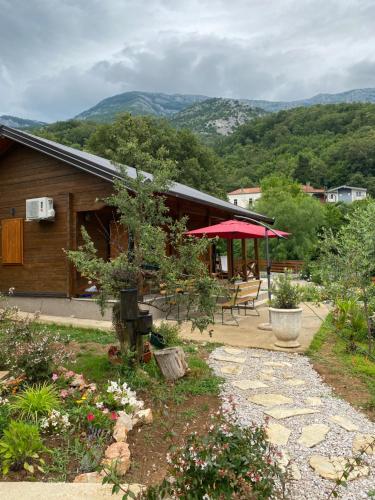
(25, 174)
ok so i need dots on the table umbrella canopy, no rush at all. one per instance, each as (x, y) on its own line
(236, 230)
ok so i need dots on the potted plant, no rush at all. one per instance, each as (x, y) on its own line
(285, 313)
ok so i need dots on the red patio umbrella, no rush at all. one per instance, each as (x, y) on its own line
(236, 230)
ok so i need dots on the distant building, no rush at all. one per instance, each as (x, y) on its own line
(345, 194)
(245, 197)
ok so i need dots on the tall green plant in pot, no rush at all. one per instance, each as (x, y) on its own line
(285, 313)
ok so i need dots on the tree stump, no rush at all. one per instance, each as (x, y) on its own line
(171, 362)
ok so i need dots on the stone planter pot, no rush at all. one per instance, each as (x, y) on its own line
(286, 325)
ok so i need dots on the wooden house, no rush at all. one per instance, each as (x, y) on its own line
(33, 261)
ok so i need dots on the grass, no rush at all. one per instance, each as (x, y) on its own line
(327, 344)
(82, 335)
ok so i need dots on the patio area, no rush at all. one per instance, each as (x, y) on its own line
(248, 334)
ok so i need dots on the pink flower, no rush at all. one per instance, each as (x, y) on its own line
(55, 377)
(64, 393)
(113, 415)
(90, 417)
(69, 374)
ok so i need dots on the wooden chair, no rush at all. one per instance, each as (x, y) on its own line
(244, 296)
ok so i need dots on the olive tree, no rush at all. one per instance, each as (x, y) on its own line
(139, 202)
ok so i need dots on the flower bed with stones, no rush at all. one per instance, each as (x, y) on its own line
(318, 434)
(93, 423)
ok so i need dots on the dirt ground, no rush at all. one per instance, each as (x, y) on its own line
(345, 384)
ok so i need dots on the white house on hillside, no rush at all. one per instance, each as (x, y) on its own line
(346, 194)
(245, 197)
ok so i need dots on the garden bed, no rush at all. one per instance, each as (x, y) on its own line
(351, 375)
(178, 409)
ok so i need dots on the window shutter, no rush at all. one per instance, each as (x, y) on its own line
(12, 241)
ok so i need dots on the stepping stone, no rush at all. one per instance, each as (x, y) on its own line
(268, 372)
(280, 413)
(313, 434)
(289, 467)
(278, 434)
(266, 376)
(230, 359)
(233, 351)
(344, 422)
(270, 399)
(334, 467)
(231, 370)
(295, 382)
(277, 364)
(364, 443)
(312, 401)
(255, 355)
(287, 375)
(248, 384)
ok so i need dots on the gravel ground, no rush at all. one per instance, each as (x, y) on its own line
(338, 441)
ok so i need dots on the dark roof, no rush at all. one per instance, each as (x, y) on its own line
(109, 171)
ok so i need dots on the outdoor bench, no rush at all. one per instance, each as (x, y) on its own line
(244, 295)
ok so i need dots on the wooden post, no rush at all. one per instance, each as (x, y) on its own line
(230, 258)
(256, 256)
(244, 259)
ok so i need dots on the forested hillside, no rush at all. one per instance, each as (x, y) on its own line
(326, 145)
(143, 140)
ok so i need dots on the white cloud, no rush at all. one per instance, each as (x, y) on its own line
(61, 56)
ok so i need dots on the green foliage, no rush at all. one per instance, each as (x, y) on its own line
(326, 145)
(29, 348)
(285, 294)
(228, 461)
(294, 212)
(73, 133)
(20, 447)
(5, 414)
(347, 261)
(143, 142)
(169, 332)
(350, 319)
(36, 402)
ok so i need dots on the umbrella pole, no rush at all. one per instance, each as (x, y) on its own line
(268, 272)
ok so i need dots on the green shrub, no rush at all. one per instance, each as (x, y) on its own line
(350, 320)
(20, 447)
(36, 402)
(227, 462)
(4, 414)
(30, 349)
(169, 332)
(285, 294)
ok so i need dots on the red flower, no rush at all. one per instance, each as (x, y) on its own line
(113, 415)
(90, 417)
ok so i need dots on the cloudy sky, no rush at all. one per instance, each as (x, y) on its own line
(59, 57)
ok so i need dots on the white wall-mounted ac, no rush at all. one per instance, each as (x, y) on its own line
(40, 209)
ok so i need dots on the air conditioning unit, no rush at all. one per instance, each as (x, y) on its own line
(40, 209)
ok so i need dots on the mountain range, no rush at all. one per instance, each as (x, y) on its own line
(202, 114)
(15, 122)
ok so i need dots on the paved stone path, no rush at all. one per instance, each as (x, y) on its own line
(317, 432)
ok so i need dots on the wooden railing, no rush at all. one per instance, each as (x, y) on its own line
(280, 266)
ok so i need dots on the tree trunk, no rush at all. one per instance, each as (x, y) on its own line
(171, 362)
